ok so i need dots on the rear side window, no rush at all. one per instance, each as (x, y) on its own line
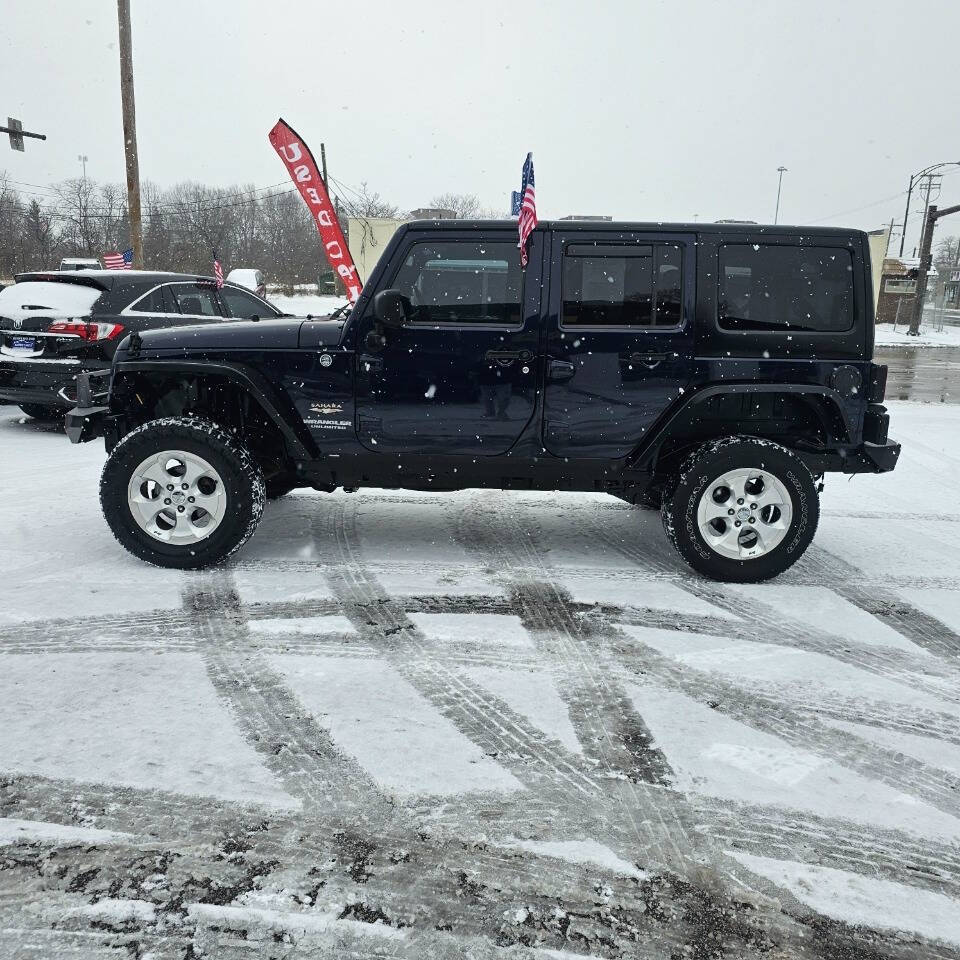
(620, 285)
(785, 288)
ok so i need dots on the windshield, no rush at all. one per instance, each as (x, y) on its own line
(52, 299)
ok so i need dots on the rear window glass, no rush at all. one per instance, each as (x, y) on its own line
(785, 288)
(150, 303)
(45, 298)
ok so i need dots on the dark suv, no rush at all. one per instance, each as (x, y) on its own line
(716, 371)
(55, 326)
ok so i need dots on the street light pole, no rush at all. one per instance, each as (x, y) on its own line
(83, 158)
(781, 171)
(915, 178)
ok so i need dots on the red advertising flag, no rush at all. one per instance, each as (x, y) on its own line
(303, 171)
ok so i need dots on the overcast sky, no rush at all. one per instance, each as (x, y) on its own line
(642, 110)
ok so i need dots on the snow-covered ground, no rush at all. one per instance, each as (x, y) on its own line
(479, 724)
(929, 336)
(302, 304)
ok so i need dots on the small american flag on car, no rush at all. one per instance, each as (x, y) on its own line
(118, 261)
(217, 270)
(528, 207)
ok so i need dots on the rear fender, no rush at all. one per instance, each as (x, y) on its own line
(826, 404)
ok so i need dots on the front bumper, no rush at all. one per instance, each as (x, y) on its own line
(52, 383)
(90, 418)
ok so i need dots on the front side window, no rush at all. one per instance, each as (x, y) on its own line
(621, 285)
(195, 300)
(462, 282)
(785, 288)
(243, 306)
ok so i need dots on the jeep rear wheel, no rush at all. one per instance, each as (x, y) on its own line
(181, 492)
(741, 509)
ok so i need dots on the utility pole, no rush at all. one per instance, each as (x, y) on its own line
(916, 178)
(926, 261)
(781, 171)
(926, 203)
(130, 133)
(893, 225)
(323, 164)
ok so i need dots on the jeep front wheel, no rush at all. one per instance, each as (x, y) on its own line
(181, 492)
(741, 509)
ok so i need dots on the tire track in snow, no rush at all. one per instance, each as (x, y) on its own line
(842, 844)
(774, 715)
(541, 762)
(292, 745)
(906, 618)
(770, 625)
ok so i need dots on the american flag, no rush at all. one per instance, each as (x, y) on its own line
(528, 207)
(217, 270)
(118, 261)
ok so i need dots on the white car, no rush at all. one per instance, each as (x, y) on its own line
(249, 278)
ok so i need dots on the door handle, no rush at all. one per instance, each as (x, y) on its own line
(649, 360)
(507, 356)
(559, 371)
(370, 364)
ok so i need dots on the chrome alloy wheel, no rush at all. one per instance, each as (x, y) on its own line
(177, 497)
(744, 513)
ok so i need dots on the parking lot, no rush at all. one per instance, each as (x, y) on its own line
(479, 724)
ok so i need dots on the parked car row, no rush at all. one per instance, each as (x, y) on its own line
(56, 325)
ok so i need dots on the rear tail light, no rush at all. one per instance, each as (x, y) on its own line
(87, 331)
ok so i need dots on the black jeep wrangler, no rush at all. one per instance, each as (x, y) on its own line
(716, 371)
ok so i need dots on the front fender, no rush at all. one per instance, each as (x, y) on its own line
(275, 405)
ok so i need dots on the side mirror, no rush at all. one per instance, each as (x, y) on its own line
(391, 308)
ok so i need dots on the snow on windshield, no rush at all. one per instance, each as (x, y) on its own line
(49, 298)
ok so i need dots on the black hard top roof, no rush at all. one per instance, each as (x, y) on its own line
(622, 226)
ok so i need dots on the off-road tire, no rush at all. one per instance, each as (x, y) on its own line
(242, 479)
(705, 465)
(43, 413)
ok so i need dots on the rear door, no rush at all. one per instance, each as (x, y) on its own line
(620, 338)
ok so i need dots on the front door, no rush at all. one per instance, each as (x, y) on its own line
(460, 377)
(620, 343)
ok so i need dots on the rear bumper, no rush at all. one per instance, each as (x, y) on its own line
(879, 457)
(866, 458)
(52, 383)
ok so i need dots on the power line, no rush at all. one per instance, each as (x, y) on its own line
(158, 212)
(875, 203)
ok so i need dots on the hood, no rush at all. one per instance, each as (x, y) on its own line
(279, 334)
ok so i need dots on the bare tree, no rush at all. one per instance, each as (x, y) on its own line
(370, 204)
(183, 225)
